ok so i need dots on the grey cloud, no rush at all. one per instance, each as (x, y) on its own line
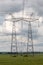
(1, 20)
(40, 44)
(16, 5)
(8, 9)
(37, 6)
(9, 6)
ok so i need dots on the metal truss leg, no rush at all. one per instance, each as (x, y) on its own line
(30, 40)
(14, 40)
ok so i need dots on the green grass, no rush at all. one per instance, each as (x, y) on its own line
(20, 60)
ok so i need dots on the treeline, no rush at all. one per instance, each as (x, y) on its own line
(21, 53)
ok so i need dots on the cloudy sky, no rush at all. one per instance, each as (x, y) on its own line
(16, 8)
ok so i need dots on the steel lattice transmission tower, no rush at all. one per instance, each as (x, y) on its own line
(30, 39)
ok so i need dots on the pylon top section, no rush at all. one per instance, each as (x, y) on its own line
(27, 19)
(22, 17)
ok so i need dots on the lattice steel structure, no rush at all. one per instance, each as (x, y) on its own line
(30, 39)
(14, 46)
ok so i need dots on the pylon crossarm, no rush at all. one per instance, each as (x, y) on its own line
(15, 20)
(29, 20)
(23, 19)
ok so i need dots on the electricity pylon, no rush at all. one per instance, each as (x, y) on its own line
(14, 39)
(30, 19)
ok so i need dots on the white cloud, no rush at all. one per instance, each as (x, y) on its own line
(1, 29)
(40, 30)
(41, 19)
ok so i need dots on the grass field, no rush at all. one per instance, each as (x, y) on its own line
(20, 60)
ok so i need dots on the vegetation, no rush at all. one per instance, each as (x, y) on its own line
(6, 59)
